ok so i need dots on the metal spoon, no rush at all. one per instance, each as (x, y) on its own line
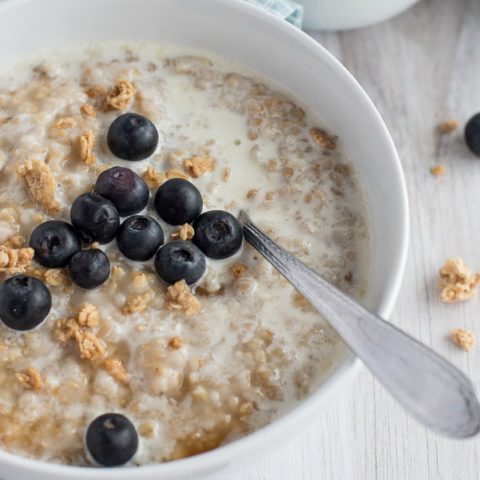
(435, 392)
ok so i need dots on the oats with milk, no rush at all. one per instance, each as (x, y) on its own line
(136, 324)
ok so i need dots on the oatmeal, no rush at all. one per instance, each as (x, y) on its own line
(191, 366)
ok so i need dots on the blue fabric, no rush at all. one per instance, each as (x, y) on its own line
(290, 11)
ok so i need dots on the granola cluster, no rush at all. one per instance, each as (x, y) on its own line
(464, 339)
(185, 232)
(30, 379)
(86, 142)
(79, 330)
(120, 95)
(41, 184)
(457, 281)
(180, 298)
(15, 260)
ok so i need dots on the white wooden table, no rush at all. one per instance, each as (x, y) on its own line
(419, 69)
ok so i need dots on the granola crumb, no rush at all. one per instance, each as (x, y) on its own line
(175, 342)
(174, 173)
(119, 96)
(301, 302)
(38, 217)
(88, 110)
(154, 178)
(198, 166)
(15, 260)
(56, 277)
(464, 339)
(65, 329)
(41, 184)
(137, 303)
(88, 315)
(437, 170)
(180, 297)
(62, 123)
(139, 280)
(147, 429)
(96, 91)
(15, 241)
(227, 174)
(323, 139)
(457, 281)
(185, 232)
(238, 269)
(117, 272)
(448, 126)
(116, 369)
(252, 194)
(30, 379)
(89, 345)
(86, 143)
(288, 172)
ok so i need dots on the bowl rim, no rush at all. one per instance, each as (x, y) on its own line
(338, 379)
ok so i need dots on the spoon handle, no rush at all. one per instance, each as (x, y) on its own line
(434, 391)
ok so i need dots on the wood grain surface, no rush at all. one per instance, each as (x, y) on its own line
(419, 69)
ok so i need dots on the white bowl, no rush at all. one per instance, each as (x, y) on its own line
(348, 14)
(245, 33)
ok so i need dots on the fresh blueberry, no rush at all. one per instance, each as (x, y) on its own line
(217, 234)
(180, 260)
(472, 134)
(89, 268)
(95, 218)
(54, 243)
(111, 440)
(132, 137)
(178, 201)
(24, 302)
(124, 188)
(139, 237)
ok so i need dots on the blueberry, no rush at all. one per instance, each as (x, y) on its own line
(217, 233)
(180, 260)
(472, 134)
(111, 440)
(124, 188)
(24, 302)
(132, 137)
(178, 201)
(95, 218)
(139, 237)
(89, 268)
(54, 243)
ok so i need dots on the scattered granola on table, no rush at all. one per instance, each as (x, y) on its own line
(457, 281)
(438, 170)
(448, 126)
(464, 339)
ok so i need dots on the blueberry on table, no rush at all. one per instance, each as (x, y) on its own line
(95, 218)
(89, 268)
(124, 188)
(111, 440)
(24, 302)
(132, 137)
(472, 134)
(217, 234)
(54, 243)
(180, 260)
(178, 201)
(139, 237)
